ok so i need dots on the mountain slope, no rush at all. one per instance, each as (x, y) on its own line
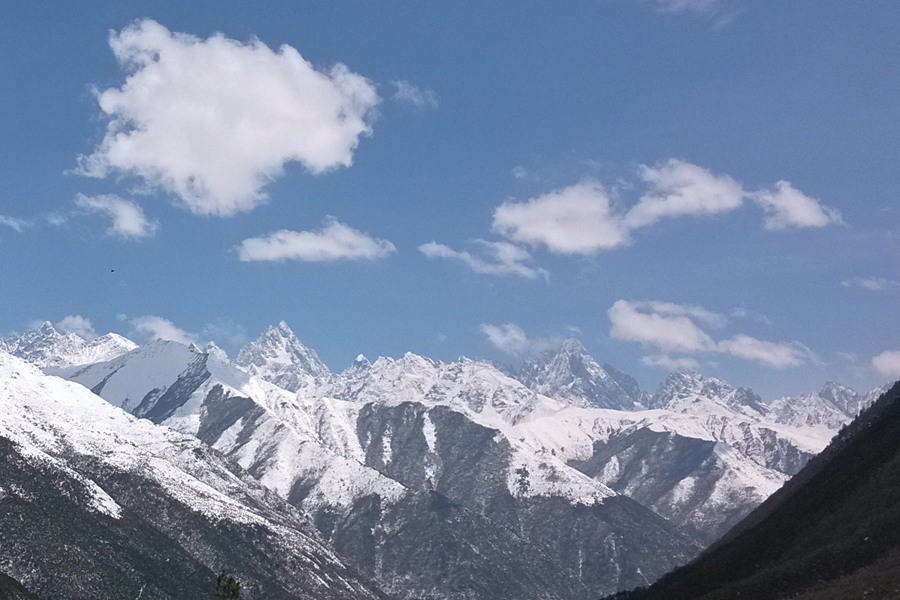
(95, 504)
(411, 448)
(833, 531)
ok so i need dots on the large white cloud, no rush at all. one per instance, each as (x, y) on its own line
(214, 120)
(579, 219)
(888, 363)
(80, 326)
(128, 218)
(493, 258)
(678, 188)
(789, 208)
(335, 241)
(152, 327)
(678, 329)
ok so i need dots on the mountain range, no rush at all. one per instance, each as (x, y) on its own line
(456, 480)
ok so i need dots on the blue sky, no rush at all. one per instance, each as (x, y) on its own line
(707, 183)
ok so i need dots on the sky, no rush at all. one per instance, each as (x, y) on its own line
(708, 184)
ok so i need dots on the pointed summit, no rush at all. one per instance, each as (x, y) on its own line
(690, 392)
(280, 358)
(569, 373)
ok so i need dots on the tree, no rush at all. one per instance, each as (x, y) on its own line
(228, 587)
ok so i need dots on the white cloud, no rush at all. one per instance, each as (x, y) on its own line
(677, 333)
(677, 188)
(578, 219)
(410, 92)
(875, 284)
(128, 218)
(682, 6)
(888, 363)
(509, 338)
(519, 172)
(214, 120)
(152, 327)
(697, 313)
(80, 326)
(672, 364)
(770, 354)
(14, 223)
(676, 329)
(496, 258)
(788, 207)
(335, 241)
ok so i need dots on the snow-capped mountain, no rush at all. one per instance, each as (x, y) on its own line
(48, 348)
(278, 357)
(570, 373)
(834, 406)
(110, 506)
(416, 433)
(689, 392)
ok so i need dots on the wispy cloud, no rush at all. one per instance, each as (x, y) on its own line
(334, 241)
(14, 223)
(789, 208)
(491, 258)
(128, 218)
(673, 329)
(874, 284)
(212, 121)
(405, 91)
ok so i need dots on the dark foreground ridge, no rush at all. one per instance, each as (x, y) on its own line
(832, 532)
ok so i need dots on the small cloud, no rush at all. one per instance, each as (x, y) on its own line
(213, 121)
(80, 326)
(770, 354)
(789, 208)
(14, 223)
(742, 312)
(413, 94)
(633, 322)
(511, 339)
(335, 241)
(888, 363)
(441, 337)
(152, 327)
(672, 364)
(579, 219)
(128, 219)
(519, 172)
(875, 284)
(494, 258)
(678, 188)
(703, 7)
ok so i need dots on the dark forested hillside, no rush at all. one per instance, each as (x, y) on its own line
(832, 532)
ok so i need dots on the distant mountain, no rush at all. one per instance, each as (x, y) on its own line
(409, 449)
(689, 392)
(570, 373)
(833, 531)
(277, 356)
(48, 348)
(98, 505)
(834, 406)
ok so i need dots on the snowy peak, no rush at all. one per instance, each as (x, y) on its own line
(834, 406)
(569, 373)
(46, 347)
(278, 357)
(690, 392)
